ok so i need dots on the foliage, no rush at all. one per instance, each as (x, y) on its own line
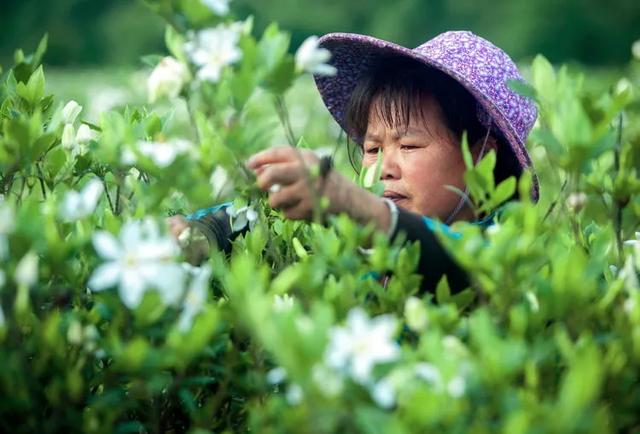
(105, 328)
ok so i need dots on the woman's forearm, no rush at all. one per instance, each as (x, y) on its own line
(360, 204)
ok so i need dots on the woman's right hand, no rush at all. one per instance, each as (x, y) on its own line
(194, 248)
(177, 225)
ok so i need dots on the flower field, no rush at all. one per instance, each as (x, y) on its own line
(108, 324)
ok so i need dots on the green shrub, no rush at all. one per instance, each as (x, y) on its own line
(105, 328)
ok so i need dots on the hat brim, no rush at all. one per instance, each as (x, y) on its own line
(354, 54)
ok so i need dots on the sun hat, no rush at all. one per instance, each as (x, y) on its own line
(483, 69)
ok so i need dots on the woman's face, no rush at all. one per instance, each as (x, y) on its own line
(418, 163)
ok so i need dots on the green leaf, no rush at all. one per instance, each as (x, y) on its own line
(522, 88)
(466, 154)
(504, 191)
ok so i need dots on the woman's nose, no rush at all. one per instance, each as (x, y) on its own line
(390, 168)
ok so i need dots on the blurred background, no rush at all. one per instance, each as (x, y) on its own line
(95, 46)
(118, 32)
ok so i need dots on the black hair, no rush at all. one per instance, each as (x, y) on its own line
(398, 84)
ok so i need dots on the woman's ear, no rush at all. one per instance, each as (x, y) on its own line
(492, 143)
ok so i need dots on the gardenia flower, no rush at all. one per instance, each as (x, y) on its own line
(139, 260)
(312, 59)
(70, 112)
(77, 205)
(85, 134)
(213, 49)
(242, 217)
(356, 348)
(218, 7)
(633, 242)
(196, 295)
(163, 154)
(167, 79)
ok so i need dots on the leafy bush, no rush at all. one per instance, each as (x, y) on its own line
(104, 326)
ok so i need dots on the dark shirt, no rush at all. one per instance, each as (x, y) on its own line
(434, 261)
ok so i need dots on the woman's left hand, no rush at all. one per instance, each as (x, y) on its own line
(284, 172)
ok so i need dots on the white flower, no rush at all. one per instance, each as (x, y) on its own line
(294, 394)
(282, 303)
(635, 49)
(68, 138)
(415, 313)
(633, 242)
(167, 79)
(78, 205)
(242, 217)
(70, 112)
(311, 59)
(213, 49)
(221, 184)
(356, 348)
(163, 154)
(456, 386)
(384, 394)
(329, 383)
(139, 260)
(85, 134)
(218, 7)
(27, 270)
(196, 295)
(276, 375)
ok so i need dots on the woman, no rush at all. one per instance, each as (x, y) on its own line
(413, 106)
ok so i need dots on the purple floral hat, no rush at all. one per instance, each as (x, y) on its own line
(478, 65)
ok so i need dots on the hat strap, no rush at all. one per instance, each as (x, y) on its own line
(465, 198)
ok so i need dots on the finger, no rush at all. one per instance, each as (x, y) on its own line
(283, 174)
(278, 154)
(177, 224)
(286, 198)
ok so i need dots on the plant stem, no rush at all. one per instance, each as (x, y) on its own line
(106, 192)
(617, 221)
(41, 179)
(283, 114)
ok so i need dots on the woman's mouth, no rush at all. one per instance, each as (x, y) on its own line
(394, 196)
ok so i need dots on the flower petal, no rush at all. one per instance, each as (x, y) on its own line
(105, 276)
(106, 245)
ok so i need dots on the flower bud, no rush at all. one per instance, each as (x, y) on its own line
(167, 79)
(70, 112)
(68, 136)
(415, 314)
(577, 201)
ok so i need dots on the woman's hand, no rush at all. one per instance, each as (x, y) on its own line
(284, 173)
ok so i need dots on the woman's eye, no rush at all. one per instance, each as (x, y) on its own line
(372, 150)
(409, 147)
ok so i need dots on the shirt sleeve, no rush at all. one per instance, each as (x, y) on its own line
(434, 261)
(215, 224)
